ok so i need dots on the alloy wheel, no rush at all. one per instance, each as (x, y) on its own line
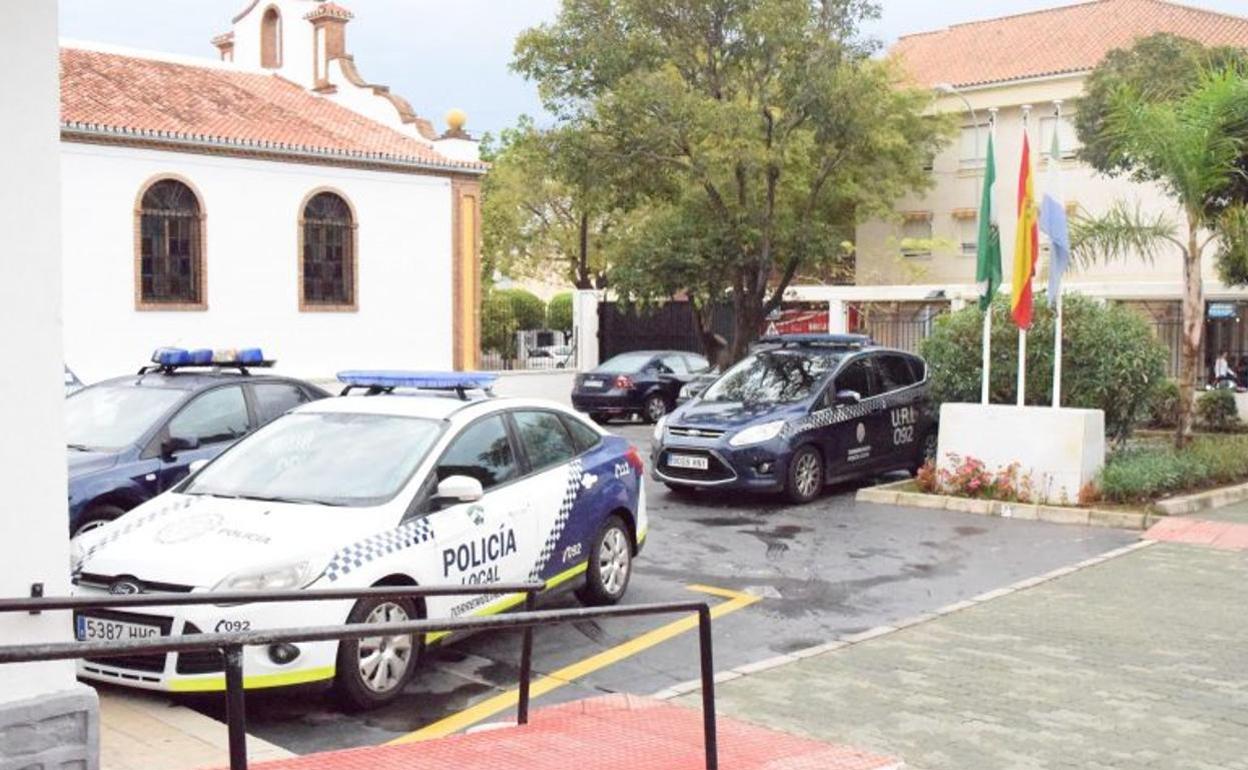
(613, 561)
(806, 475)
(384, 660)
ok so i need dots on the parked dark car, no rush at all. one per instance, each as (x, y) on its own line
(644, 383)
(695, 387)
(131, 438)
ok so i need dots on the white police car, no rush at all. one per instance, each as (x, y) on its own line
(389, 487)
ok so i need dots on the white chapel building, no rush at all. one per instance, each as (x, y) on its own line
(268, 197)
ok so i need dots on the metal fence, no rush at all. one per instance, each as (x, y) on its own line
(231, 645)
(531, 350)
(900, 325)
(669, 326)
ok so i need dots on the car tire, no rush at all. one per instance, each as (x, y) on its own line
(654, 408)
(360, 685)
(804, 481)
(97, 517)
(610, 565)
(926, 451)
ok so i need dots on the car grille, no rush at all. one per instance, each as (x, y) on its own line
(716, 470)
(152, 663)
(679, 430)
(199, 661)
(103, 582)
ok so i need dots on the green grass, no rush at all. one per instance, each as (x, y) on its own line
(1146, 473)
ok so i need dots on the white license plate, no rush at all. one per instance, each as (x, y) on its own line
(593, 383)
(104, 630)
(693, 462)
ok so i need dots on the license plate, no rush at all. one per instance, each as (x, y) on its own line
(593, 384)
(692, 462)
(104, 630)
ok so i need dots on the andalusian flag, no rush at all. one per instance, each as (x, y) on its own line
(988, 250)
(1026, 243)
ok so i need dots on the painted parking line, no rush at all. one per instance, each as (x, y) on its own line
(736, 600)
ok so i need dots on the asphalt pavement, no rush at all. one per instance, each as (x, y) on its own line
(811, 572)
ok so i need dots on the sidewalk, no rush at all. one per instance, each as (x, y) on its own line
(1140, 661)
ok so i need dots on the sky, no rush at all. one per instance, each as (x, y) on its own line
(441, 54)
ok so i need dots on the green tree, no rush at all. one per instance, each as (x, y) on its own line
(1191, 145)
(1111, 360)
(527, 308)
(544, 215)
(744, 138)
(498, 325)
(559, 312)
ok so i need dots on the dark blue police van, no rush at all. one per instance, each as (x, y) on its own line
(131, 438)
(799, 412)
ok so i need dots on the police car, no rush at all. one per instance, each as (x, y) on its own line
(408, 478)
(800, 411)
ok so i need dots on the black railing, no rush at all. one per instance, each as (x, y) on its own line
(231, 645)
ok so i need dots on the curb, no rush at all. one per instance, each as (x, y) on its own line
(1202, 501)
(848, 640)
(899, 493)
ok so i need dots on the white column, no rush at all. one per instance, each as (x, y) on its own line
(837, 322)
(585, 328)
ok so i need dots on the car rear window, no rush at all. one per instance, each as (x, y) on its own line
(625, 363)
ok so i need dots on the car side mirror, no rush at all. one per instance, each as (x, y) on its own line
(845, 397)
(174, 444)
(460, 489)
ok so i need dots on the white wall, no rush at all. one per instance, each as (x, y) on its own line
(33, 540)
(252, 207)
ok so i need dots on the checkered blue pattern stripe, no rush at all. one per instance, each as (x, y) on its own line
(374, 547)
(571, 489)
(836, 415)
(127, 524)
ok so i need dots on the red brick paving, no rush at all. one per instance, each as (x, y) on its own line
(1224, 535)
(613, 732)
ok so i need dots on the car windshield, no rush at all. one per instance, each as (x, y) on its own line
(110, 417)
(772, 376)
(625, 362)
(353, 460)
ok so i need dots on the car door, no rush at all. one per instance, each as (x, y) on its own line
(852, 441)
(486, 541)
(903, 404)
(210, 422)
(556, 479)
(673, 374)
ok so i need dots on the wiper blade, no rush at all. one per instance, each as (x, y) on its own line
(79, 447)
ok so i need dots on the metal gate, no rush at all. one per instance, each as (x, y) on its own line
(670, 326)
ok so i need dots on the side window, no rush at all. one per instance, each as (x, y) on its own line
(919, 367)
(482, 451)
(583, 436)
(218, 415)
(894, 371)
(273, 399)
(854, 377)
(546, 441)
(675, 364)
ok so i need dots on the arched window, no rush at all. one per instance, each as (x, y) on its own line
(171, 246)
(328, 269)
(271, 39)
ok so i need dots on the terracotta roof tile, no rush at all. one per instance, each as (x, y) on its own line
(1072, 38)
(131, 94)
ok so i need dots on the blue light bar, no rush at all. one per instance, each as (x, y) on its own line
(170, 358)
(201, 357)
(422, 380)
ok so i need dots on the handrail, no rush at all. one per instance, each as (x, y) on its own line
(231, 645)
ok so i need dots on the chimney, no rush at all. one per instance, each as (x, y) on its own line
(225, 44)
(329, 22)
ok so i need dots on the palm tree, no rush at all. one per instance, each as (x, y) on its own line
(1191, 147)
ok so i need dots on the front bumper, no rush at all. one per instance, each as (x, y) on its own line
(758, 467)
(203, 671)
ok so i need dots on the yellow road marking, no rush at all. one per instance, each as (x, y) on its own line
(564, 676)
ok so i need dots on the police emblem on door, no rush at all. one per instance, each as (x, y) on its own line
(861, 432)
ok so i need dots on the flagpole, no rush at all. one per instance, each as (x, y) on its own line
(1022, 333)
(1054, 157)
(986, 375)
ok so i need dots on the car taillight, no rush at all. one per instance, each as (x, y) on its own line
(633, 456)
(623, 382)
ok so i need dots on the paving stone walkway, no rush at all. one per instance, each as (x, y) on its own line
(1138, 662)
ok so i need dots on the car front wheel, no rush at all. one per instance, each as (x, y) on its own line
(805, 480)
(610, 565)
(373, 671)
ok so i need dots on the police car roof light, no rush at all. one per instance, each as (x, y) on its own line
(386, 381)
(169, 360)
(828, 340)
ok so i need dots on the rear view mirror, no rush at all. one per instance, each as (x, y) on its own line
(174, 444)
(844, 397)
(460, 489)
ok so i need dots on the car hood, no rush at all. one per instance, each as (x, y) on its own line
(732, 415)
(82, 463)
(198, 540)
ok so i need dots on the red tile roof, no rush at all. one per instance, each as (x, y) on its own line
(1072, 38)
(131, 96)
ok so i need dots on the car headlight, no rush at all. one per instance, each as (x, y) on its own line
(686, 391)
(757, 434)
(659, 427)
(276, 577)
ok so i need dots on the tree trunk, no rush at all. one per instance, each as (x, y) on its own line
(712, 343)
(745, 323)
(1193, 320)
(583, 278)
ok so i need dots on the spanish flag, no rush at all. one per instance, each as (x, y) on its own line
(1026, 243)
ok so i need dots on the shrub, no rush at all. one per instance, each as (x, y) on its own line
(1216, 410)
(1111, 359)
(559, 312)
(1163, 405)
(1145, 474)
(498, 324)
(527, 308)
(971, 478)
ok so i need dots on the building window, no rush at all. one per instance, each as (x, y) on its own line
(968, 235)
(170, 248)
(973, 146)
(1067, 136)
(271, 39)
(328, 260)
(916, 235)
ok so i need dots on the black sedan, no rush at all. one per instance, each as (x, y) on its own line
(644, 383)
